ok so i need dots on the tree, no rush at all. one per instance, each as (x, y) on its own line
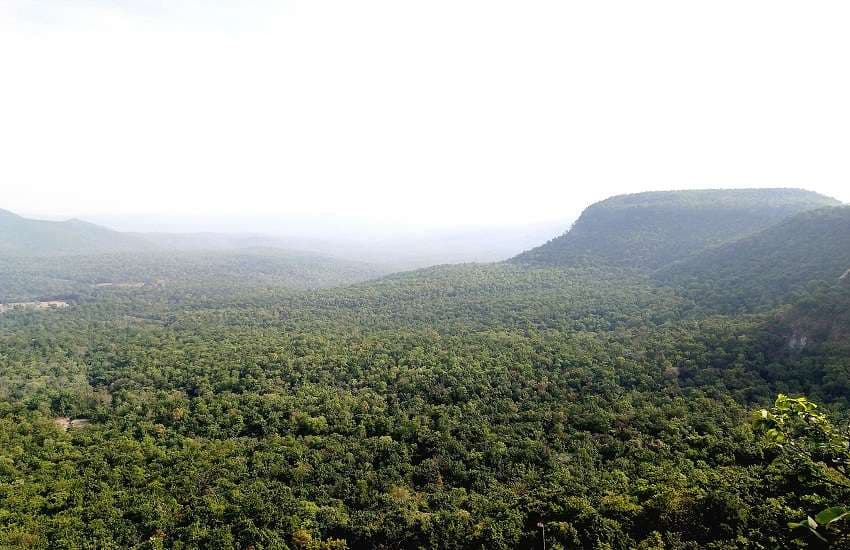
(811, 442)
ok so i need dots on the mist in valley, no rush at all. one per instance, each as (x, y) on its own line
(398, 245)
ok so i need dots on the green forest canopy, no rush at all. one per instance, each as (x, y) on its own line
(235, 403)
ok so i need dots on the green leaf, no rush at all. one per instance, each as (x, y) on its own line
(775, 436)
(831, 514)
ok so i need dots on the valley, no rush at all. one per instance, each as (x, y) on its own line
(424, 275)
(602, 384)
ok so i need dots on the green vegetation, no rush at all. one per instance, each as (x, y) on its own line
(85, 277)
(814, 446)
(651, 230)
(22, 236)
(822, 317)
(235, 403)
(765, 269)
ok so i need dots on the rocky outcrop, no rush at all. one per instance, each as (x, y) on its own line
(797, 341)
(65, 423)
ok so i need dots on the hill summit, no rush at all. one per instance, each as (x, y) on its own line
(651, 230)
(24, 236)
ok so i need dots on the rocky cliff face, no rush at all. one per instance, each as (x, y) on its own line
(798, 341)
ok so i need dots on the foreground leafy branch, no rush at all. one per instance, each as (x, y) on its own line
(809, 439)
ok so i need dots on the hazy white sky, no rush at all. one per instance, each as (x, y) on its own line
(443, 111)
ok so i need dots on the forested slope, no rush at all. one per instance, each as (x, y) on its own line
(651, 230)
(23, 236)
(820, 318)
(450, 407)
(764, 269)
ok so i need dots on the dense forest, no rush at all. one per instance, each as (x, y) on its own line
(764, 269)
(652, 230)
(622, 386)
(83, 277)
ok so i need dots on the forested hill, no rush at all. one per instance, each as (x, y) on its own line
(23, 236)
(213, 399)
(764, 269)
(651, 230)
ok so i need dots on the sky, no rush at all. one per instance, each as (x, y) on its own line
(437, 112)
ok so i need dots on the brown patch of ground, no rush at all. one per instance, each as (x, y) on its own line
(65, 423)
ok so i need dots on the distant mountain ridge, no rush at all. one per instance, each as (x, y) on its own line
(28, 237)
(651, 230)
(91, 254)
(21, 236)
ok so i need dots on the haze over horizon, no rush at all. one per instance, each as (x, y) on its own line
(424, 274)
(442, 114)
